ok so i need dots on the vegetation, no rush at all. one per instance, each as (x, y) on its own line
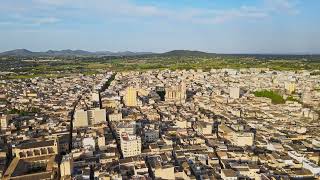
(29, 67)
(275, 97)
(316, 73)
(108, 83)
(291, 98)
(24, 112)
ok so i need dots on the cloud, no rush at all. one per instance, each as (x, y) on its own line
(54, 11)
(29, 21)
(51, 2)
(244, 12)
(282, 6)
(5, 23)
(46, 20)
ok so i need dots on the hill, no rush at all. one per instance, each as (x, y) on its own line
(17, 52)
(68, 52)
(187, 53)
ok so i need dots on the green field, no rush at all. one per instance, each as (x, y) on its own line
(275, 97)
(21, 69)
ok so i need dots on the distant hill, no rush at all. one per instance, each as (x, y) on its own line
(68, 52)
(17, 52)
(82, 53)
(187, 53)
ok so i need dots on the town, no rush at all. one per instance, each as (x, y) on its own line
(249, 123)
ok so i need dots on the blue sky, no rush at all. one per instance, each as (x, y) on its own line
(221, 26)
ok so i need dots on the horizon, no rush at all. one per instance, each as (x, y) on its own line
(253, 53)
(222, 27)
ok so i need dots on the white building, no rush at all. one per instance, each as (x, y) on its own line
(234, 92)
(126, 127)
(316, 142)
(95, 97)
(66, 166)
(115, 117)
(315, 169)
(130, 145)
(4, 121)
(88, 142)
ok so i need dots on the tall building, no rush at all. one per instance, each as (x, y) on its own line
(290, 87)
(130, 145)
(176, 94)
(125, 127)
(96, 116)
(4, 121)
(66, 167)
(234, 92)
(130, 97)
(95, 99)
(81, 118)
(84, 118)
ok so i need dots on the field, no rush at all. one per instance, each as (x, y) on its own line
(26, 67)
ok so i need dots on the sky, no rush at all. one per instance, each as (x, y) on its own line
(218, 26)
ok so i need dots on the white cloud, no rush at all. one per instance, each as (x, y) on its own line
(52, 2)
(244, 12)
(56, 10)
(5, 23)
(46, 20)
(282, 6)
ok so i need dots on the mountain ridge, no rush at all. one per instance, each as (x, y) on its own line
(83, 53)
(187, 53)
(69, 52)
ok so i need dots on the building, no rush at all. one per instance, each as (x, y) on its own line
(35, 148)
(176, 94)
(151, 135)
(66, 167)
(115, 117)
(95, 97)
(89, 142)
(96, 116)
(228, 174)
(130, 97)
(290, 87)
(314, 168)
(101, 141)
(237, 138)
(34, 160)
(234, 92)
(125, 127)
(160, 168)
(203, 128)
(130, 145)
(81, 118)
(84, 118)
(243, 138)
(4, 121)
